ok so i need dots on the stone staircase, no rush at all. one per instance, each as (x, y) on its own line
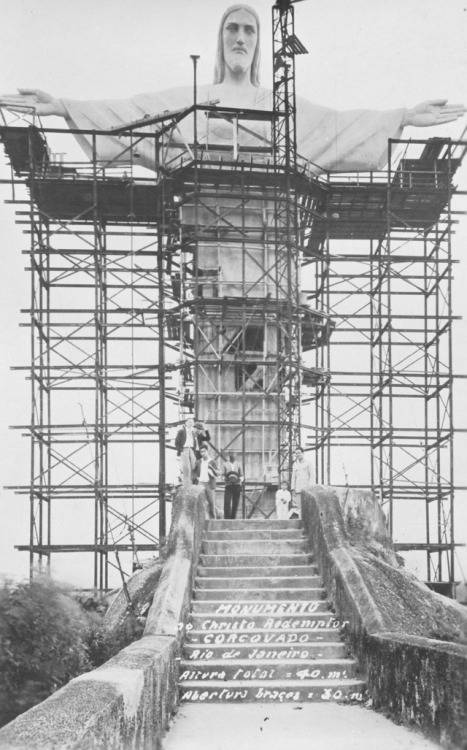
(260, 627)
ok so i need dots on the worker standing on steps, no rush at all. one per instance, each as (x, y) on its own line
(186, 445)
(233, 477)
(205, 474)
(302, 479)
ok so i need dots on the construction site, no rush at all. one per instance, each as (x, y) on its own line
(279, 303)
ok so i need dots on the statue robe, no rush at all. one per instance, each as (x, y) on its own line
(336, 141)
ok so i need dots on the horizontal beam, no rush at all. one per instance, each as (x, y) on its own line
(47, 548)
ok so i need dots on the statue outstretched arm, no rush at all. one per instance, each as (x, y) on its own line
(433, 112)
(103, 114)
(347, 140)
(333, 140)
(33, 100)
(357, 139)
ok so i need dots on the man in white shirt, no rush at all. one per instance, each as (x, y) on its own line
(186, 445)
(302, 476)
(206, 474)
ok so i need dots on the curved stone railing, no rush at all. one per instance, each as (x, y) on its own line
(127, 702)
(411, 642)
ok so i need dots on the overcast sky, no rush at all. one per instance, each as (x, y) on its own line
(364, 53)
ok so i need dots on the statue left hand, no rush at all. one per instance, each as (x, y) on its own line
(433, 112)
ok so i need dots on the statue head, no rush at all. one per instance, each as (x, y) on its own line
(237, 13)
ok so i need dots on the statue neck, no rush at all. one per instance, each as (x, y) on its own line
(234, 92)
(239, 78)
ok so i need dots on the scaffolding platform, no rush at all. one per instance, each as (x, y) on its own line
(128, 244)
(358, 209)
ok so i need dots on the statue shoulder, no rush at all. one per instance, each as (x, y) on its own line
(311, 109)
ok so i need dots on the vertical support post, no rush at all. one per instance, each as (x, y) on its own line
(161, 370)
(286, 234)
(450, 398)
(34, 379)
(387, 370)
(195, 59)
(100, 385)
(426, 402)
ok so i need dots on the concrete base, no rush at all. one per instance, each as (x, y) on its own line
(301, 726)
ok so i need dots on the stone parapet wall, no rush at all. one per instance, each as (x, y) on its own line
(127, 702)
(420, 681)
(411, 642)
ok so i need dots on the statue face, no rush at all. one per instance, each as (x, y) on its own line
(240, 37)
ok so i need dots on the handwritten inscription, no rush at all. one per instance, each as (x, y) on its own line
(283, 637)
(263, 673)
(214, 695)
(271, 623)
(199, 674)
(268, 608)
(269, 694)
(255, 653)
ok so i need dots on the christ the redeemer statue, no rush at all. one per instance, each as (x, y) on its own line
(336, 141)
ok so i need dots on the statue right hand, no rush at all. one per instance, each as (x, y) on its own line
(40, 102)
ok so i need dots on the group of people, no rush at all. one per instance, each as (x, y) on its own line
(198, 467)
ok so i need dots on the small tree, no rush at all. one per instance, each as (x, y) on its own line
(43, 635)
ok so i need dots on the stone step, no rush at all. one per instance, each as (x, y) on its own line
(256, 582)
(232, 560)
(261, 628)
(248, 534)
(261, 594)
(254, 523)
(267, 669)
(297, 571)
(242, 607)
(263, 637)
(273, 691)
(317, 620)
(254, 652)
(254, 547)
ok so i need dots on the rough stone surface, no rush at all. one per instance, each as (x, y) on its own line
(365, 523)
(141, 587)
(410, 640)
(425, 685)
(113, 706)
(173, 595)
(407, 605)
(127, 702)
